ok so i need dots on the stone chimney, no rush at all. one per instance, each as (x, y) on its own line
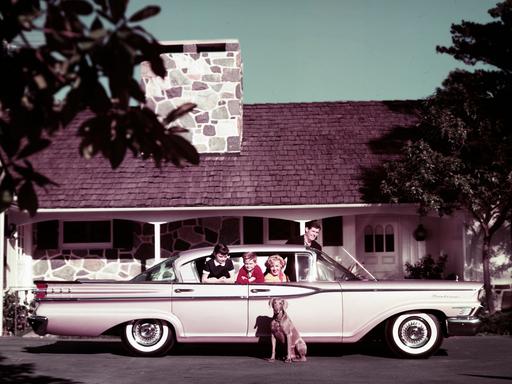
(206, 73)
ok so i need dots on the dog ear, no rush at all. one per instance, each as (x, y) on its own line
(285, 304)
(270, 302)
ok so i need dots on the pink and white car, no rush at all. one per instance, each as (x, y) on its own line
(168, 304)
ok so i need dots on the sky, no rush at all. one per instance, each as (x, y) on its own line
(326, 50)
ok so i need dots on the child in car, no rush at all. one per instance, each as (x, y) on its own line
(220, 268)
(251, 271)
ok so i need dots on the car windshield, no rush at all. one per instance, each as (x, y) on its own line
(328, 269)
(163, 271)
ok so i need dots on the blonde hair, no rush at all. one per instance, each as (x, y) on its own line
(274, 258)
(249, 256)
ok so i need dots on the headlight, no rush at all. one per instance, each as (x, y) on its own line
(463, 311)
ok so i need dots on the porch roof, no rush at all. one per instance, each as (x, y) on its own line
(291, 154)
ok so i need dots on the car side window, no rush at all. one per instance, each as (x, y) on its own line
(160, 272)
(304, 264)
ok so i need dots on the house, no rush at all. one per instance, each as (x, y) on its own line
(265, 170)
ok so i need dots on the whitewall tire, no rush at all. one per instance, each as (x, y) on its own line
(147, 337)
(414, 335)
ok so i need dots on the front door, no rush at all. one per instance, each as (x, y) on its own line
(378, 246)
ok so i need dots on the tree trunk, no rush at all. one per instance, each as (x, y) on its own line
(486, 256)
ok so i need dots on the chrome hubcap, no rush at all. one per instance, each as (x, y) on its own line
(146, 332)
(414, 333)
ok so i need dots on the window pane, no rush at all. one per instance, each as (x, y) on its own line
(253, 230)
(390, 239)
(379, 238)
(368, 243)
(86, 231)
(279, 229)
(332, 231)
(368, 239)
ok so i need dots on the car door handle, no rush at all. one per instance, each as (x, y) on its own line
(254, 290)
(180, 290)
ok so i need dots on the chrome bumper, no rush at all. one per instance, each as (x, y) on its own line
(462, 325)
(38, 324)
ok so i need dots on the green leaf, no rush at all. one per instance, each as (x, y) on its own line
(183, 149)
(41, 180)
(99, 100)
(178, 112)
(136, 91)
(145, 13)
(7, 189)
(79, 7)
(27, 198)
(117, 152)
(117, 9)
(33, 147)
(157, 64)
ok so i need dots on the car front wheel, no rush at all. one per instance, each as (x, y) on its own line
(414, 335)
(147, 337)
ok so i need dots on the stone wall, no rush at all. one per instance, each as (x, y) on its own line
(208, 74)
(123, 264)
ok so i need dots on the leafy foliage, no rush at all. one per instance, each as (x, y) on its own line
(15, 314)
(87, 59)
(463, 157)
(499, 323)
(426, 268)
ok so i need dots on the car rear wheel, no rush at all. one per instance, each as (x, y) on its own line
(414, 335)
(148, 337)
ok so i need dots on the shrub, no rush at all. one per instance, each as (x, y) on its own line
(426, 268)
(499, 323)
(15, 314)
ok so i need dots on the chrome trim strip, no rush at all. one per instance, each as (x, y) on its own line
(179, 297)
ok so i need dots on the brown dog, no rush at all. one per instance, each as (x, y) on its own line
(282, 329)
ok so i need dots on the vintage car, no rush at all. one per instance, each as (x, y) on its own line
(327, 303)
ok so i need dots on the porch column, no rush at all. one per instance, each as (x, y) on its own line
(158, 254)
(302, 226)
(2, 255)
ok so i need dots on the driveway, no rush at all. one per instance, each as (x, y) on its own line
(479, 359)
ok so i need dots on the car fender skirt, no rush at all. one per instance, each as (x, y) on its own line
(38, 324)
(462, 325)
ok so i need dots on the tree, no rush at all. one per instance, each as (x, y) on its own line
(463, 158)
(87, 43)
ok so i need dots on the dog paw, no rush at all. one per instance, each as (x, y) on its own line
(288, 360)
(299, 360)
(271, 360)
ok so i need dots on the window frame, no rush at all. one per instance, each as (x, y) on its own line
(85, 245)
(379, 237)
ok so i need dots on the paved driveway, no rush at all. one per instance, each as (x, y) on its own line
(480, 359)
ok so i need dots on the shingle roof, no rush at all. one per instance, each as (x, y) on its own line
(292, 154)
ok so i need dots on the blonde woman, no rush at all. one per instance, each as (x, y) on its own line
(275, 265)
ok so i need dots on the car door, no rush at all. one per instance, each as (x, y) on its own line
(315, 307)
(209, 310)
